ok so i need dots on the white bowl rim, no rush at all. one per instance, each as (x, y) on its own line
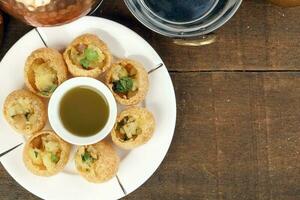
(54, 116)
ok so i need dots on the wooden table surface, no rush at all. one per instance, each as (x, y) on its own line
(238, 126)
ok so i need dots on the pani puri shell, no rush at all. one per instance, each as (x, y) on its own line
(141, 78)
(25, 112)
(97, 163)
(46, 154)
(45, 70)
(140, 125)
(78, 70)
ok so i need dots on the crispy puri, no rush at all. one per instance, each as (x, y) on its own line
(128, 81)
(25, 112)
(45, 70)
(87, 56)
(98, 162)
(134, 127)
(45, 154)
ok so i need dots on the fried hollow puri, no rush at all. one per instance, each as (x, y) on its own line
(25, 112)
(128, 80)
(98, 162)
(45, 70)
(45, 154)
(87, 56)
(134, 127)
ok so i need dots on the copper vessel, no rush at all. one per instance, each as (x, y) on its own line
(48, 12)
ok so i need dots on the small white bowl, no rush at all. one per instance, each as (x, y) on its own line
(54, 106)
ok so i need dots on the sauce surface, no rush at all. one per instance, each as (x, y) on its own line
(83, 111)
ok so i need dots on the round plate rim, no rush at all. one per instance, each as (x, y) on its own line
(162, 68)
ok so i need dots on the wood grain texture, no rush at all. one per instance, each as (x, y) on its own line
(237, 138)
(13, 30)
(260, 36)
(237, 135)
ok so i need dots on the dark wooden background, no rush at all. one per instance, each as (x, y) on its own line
(238, 127)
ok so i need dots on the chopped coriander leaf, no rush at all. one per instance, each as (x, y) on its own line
(85, 63)
(91, 55)
(52, 88)
(86, 157)
(36, 154)
(122, 122)
(123, 85)
(118, 87)
(45, 93)
(54, 158)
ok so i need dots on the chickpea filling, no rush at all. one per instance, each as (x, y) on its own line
(44, 77)
(88, 157)
(45, 152)
(124, 81)
(22, 113)
(128, 129)
(87, 56)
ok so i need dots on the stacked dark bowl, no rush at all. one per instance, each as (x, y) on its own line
(182, 19)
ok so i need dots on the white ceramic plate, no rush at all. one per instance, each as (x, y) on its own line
(137, 165)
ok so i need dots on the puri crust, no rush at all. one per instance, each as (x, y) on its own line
(45, 154)
(98, 162)
(45, 70)
(25, 112)
(128, 81)
(134, 127)
(87, 56)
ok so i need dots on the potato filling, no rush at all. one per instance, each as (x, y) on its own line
(45, 152)
(88, 156)
(124, 81)
(45, 77)
(87, 56)
(22, 113)
(128, 129)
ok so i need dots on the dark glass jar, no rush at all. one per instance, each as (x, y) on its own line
(188, 22)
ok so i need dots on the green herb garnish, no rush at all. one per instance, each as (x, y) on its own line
(86, 157)
(36, 154)
(54, 158)
(90, 56)
(123, 85)
(122, 123)
(50, 90)
(85, 63)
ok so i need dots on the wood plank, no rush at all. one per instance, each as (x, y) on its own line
(189, 170)
(260, 36)
(243, 131)
(11, 190)
(237, 137)
(13, 31)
